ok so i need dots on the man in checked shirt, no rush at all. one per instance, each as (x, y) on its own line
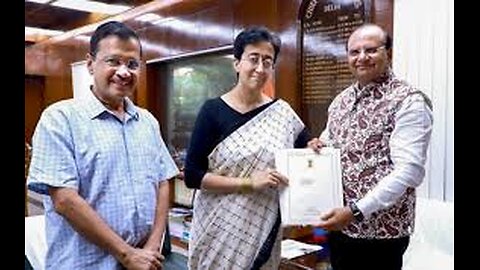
(103, 164)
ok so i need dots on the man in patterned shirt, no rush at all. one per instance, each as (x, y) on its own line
(103, 164)
(382, 126)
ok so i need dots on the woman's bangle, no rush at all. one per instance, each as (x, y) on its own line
(246, 185)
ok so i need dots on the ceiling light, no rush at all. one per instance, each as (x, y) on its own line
(39, 1)
(91, 6)
(149, 17)
(41, 31)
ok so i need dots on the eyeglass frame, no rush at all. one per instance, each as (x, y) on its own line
(115, 62)
(254, 60)
(367, 51)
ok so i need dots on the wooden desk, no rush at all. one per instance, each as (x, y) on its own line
(178, 242)
(314, 261)
(306, 262)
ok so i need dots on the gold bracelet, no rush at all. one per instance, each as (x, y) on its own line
(246, 185)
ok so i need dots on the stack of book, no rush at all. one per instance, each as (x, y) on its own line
(179, 222)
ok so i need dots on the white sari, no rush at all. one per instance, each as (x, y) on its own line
(228, 230)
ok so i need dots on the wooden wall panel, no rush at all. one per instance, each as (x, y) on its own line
(34, 87)
(189, 26)
(210, 27)
(215, 26)
(140, 95)
(35, 61)
(286, 71)
(58, 83)
(155, 42)
(157, 79)
(382, 14)
(254, 12)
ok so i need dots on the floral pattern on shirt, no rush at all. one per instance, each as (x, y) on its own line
(361, 121)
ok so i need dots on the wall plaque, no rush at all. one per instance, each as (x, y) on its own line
(325, 26)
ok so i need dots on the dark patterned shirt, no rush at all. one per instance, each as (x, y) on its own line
(383, 131)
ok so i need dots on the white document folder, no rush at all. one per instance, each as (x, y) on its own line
(315, 184)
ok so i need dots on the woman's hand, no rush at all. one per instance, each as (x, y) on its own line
(268, 179)
(316, 144)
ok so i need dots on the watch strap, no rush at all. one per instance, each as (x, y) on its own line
(357, 214)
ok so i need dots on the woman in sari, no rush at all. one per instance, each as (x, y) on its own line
(236, 219)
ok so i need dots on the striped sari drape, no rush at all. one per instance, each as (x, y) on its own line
(228, 230)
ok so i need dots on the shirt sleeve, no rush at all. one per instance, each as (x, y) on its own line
(325, 134)
(168, 168)
(196, 162)
(325, 137)
(408, 149)
(53, 162)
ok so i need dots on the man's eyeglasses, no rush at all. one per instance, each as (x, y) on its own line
(255, 60)
(116, 62)
(370, 51)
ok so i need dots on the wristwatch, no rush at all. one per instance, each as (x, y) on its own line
(357, 214)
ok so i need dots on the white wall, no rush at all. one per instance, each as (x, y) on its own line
(81, 79)
(423, 55)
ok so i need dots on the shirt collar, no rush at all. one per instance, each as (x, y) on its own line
(375, 84)
(131, 109)
(95, 108)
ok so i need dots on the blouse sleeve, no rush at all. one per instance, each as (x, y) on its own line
(201, 144)
(302, 139)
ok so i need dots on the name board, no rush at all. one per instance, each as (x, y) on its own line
(324, 30)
